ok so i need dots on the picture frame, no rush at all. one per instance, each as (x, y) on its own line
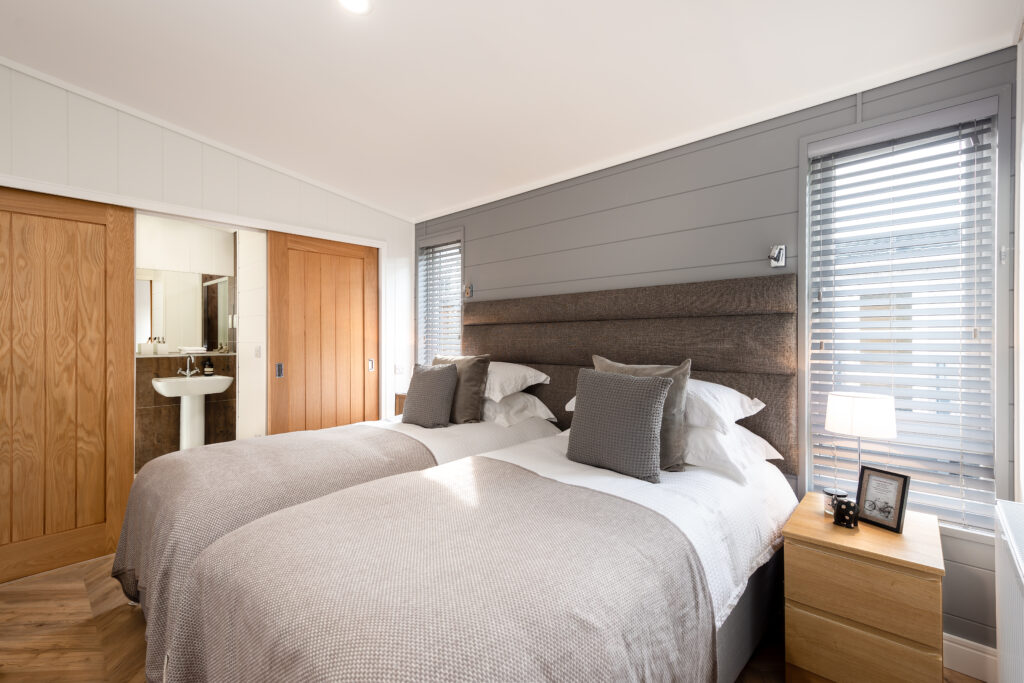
(882, 498)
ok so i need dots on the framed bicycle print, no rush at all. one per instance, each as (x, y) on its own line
(882, 498)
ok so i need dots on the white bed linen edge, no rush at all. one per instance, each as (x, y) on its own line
(460, 441)
(734, 528)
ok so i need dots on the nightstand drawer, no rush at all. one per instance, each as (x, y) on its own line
(890, 599)
(842, 652)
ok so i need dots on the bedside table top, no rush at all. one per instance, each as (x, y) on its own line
(918, 547)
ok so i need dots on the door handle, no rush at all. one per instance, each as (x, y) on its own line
(370, 363)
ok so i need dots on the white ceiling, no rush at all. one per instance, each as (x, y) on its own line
(424, 107)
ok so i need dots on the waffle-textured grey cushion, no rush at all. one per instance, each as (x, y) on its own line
(428, 403)
(468, 405)
(617, 423)
(672, 423)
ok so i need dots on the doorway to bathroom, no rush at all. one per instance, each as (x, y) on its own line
(200, 333)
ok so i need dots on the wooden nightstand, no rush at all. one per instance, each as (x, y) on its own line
(862, 604)
(399, 404)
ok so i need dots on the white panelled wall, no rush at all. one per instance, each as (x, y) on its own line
(163, 243)
(59, 139)
(251, 306)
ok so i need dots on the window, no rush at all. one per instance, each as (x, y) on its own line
(901, 303)
(439, 310)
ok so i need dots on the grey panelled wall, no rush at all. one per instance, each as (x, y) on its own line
(708, 210)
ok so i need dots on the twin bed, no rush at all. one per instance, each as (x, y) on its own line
(346, 554)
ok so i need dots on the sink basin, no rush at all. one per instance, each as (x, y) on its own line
(192, 421)
(199, 385)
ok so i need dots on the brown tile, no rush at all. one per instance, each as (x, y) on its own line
(220, 421)
(144, 392)
(224, 365)
(156, 433)
(145, 370)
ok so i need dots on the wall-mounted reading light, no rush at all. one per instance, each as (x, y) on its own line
(777, 256)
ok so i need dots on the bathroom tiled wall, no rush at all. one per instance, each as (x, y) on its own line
(157, 417)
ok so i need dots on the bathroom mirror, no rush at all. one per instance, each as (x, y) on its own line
(185, 309)
(218, 312)
(143, 311)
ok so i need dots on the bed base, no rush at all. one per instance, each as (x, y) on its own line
(743, 629)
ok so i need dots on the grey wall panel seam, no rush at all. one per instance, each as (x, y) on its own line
(968, 564)
(635, 164)
(968, 619)
(636, 239)
(642, 272)
(638, 203)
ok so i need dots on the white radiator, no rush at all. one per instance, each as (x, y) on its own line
(1010, 589)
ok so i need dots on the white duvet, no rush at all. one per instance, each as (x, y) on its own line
(734, 528)
(461, 441)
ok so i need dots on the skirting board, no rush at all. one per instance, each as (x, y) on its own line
(970, 658)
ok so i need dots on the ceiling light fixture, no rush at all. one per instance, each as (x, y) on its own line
(356, 6)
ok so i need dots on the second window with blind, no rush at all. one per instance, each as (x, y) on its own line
(902, 303)
(439, 300)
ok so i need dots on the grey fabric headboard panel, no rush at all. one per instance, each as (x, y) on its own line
(740, 343)
(740, 333)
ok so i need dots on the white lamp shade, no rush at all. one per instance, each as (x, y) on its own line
(869, 416)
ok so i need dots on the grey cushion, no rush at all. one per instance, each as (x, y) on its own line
(428, 403)
(617, 423)
(468, 405)
(672, 423)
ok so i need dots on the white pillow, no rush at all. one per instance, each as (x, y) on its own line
(732, 453)
(508, 378)
(716, 406)
(754, 443)
(711, 405)
(515, 408)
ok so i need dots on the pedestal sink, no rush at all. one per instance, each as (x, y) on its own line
(193, 413)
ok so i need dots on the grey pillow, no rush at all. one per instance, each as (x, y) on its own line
(428, 402)
(673, 427)
(617, 423)
(468, 405)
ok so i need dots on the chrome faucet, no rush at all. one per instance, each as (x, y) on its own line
(190, 367)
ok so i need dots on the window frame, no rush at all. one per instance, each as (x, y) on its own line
(433, 240)
(895, 125)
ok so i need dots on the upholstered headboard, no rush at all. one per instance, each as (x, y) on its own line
(741, 333)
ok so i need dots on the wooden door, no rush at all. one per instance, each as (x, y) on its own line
(321, 332)
(67, 379)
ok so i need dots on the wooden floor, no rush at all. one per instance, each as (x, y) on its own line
(70, 624)
(74, 624)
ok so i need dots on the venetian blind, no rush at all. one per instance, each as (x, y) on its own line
(902, 289)
(439, 306)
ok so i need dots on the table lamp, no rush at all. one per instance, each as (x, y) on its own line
(868, 416)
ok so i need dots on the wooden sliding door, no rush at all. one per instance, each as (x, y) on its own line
(321, 332)
(67, 379)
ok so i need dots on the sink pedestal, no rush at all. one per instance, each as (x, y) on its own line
(192, 425)
(192, 391)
